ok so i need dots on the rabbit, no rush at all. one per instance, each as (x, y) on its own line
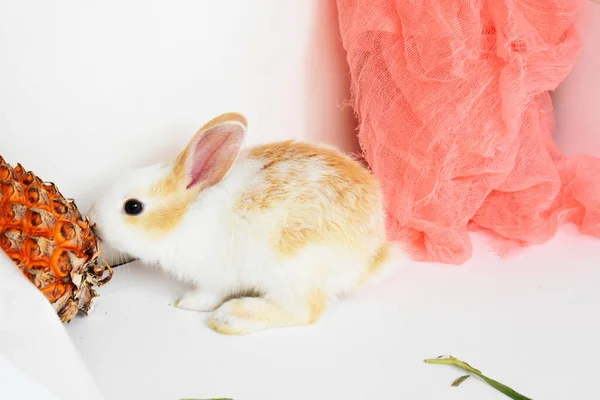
(288, 226)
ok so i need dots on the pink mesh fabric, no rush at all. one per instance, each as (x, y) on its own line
(456, 119)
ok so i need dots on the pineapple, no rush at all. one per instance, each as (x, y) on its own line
(50, 241)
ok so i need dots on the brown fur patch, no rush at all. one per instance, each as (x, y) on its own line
(317, 301)
(328, 206)
(165, 218)
(171, 183)
(380, 258)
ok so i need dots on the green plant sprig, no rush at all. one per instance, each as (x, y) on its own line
(463, 365)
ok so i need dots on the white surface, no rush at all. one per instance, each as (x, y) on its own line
(15, 384)
(531, 323)
(37, 358)
(90, 88)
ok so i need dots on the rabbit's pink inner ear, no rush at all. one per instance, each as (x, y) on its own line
(214, 154)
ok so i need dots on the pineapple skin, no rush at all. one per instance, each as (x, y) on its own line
(50, 241)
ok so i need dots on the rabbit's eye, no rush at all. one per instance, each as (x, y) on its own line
(133, 207)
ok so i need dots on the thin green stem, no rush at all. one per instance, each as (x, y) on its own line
(463, 365)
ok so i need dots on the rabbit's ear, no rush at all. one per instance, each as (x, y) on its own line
(212, 151)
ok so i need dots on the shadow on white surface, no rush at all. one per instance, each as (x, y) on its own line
(329, 114)
(530, 322)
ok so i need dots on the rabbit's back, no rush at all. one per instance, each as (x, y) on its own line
(308, 194)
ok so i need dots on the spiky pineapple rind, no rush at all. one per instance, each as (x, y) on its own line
(50, 241)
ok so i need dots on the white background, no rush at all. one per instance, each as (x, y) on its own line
(90, 88)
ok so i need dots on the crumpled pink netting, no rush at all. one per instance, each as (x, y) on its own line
(456, 119)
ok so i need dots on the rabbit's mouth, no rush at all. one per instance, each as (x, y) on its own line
(112, 256)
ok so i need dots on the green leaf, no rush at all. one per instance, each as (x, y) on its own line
(460, 380)
(463, 365)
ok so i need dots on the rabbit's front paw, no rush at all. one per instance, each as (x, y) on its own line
(198, 300)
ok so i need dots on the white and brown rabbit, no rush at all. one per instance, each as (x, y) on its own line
(295, 223)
